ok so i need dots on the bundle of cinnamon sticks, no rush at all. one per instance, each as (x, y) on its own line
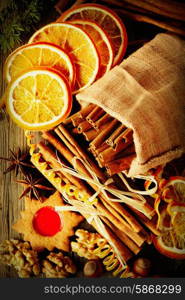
(110, 142)
(128, 228)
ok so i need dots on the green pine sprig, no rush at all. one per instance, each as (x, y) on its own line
(17, 20)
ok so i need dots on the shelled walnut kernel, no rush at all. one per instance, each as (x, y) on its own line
(20, 255)
(56, 265)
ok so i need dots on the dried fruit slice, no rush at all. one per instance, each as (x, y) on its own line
(102, 42)
(35, 55)
(174, 189)
(107, 19)
(78, 44)
(39, 99)
(171, 242)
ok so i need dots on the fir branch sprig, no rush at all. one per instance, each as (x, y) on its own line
(17, 19)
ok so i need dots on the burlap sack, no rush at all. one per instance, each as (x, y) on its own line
(147, 93)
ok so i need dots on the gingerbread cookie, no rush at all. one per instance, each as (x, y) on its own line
(43, 227)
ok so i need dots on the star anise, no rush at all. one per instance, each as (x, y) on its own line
(17, 161)
(33, 187)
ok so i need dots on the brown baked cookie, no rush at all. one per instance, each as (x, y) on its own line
(43, 227)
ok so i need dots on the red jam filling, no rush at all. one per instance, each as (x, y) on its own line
(47, 221)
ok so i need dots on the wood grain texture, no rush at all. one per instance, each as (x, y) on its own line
(11, 137)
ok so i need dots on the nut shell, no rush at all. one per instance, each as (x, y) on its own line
(142, 266)
(93, 268)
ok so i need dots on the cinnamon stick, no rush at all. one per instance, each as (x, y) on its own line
(104, 134)
(94, 115)
(115, 134)
(78, 151)
(63, 150)
(50, 157)
(102, 121)
(173, 26)
(119, 217)
(150, 224)
(84, 126)
(167, 8)
(123, 140)
(102, 148)
(90, 134)
(118, 165)
(130, 219)
(119, 222)
(80, 115)
(109, 154)
(126, 254)
(80, 167)
(69, 120)
(123, 237)
(124, 251)
(110, 215)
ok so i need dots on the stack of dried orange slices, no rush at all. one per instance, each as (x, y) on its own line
(61, 59)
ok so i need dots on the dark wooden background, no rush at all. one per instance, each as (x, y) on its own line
(12, 137)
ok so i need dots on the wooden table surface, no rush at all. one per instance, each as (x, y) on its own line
(12, 137)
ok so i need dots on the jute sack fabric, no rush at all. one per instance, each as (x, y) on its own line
(146, 92)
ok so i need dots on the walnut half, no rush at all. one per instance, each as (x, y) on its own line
(56, 265)
(27, 262)
(21, 256)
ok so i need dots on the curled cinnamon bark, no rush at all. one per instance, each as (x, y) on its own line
(80, 115)
(168, 8)
(51, 158)
(105, 119)
(120, 222)
(90, 134)
(84, 126)
(115, 134)
(96, 114)
(104, 134)
(123, 237)
(109, 154)
(118, 165)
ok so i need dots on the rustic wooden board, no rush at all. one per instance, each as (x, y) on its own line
(11, 137)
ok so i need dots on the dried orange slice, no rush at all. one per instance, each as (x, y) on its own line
(38, 54)
(107, 19)
(78, 44)
(174, 189)
(102, 42)
(171, 242)
(39, 99)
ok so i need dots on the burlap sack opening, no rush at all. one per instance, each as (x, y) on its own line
(147, 93)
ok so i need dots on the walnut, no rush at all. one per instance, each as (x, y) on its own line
(56, 265)
(86, 243)
(21, 256)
